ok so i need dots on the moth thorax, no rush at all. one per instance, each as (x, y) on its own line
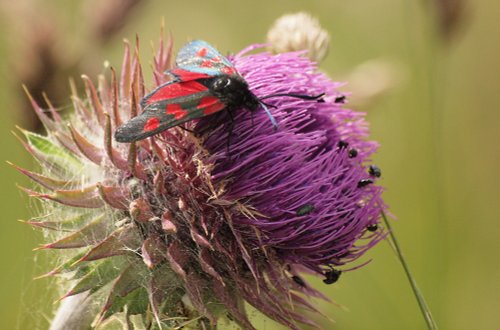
(233, 91)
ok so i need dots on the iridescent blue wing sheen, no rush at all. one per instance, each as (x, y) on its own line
(201, 57)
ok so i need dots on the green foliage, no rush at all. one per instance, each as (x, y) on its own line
(48, 152)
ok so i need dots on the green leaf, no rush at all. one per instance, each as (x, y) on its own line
(92, 233)
(128, 289)
(70, 224)
(51, 152)
(68, 266)
(121, 241)
(137, 301)
(98, 276)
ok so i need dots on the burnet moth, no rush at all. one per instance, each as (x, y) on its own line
(204, 82)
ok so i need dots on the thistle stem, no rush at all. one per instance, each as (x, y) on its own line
(424, 308)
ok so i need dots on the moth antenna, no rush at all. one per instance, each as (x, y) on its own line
(318, 97)
(273, 121)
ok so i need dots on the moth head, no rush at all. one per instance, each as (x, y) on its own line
(233, 91)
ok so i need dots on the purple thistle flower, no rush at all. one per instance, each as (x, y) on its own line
(307, 161)
(181, 229)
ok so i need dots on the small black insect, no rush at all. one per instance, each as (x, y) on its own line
(364, 182)
(304, 209)
(342, 144)
(353, 153)
(299, 281)
(340, 99)
(375, 171)
(332, 276)
(372, 227)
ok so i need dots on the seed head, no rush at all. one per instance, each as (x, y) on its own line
(300, 31)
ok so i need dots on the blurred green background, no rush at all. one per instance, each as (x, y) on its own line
(438, 128)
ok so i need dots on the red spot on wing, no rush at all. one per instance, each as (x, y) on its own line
(152, 124)
(174, 90)
(228, 70)
(176, 110)
(188, 75)
(210, 104)
(206, 64)
(216, 59)
(213, 108)
(202, 52)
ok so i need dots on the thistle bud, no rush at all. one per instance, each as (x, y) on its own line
(300, 31)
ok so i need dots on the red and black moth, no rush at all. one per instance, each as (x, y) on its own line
(204, 82)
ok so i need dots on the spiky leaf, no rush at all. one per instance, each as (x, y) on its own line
(90, 234)
(99, 275)
(53, 153)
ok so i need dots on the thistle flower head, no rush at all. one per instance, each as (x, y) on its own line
(299, 31)
(181, 229)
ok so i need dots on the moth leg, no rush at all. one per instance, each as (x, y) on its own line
(186, 129)
(215, 121)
